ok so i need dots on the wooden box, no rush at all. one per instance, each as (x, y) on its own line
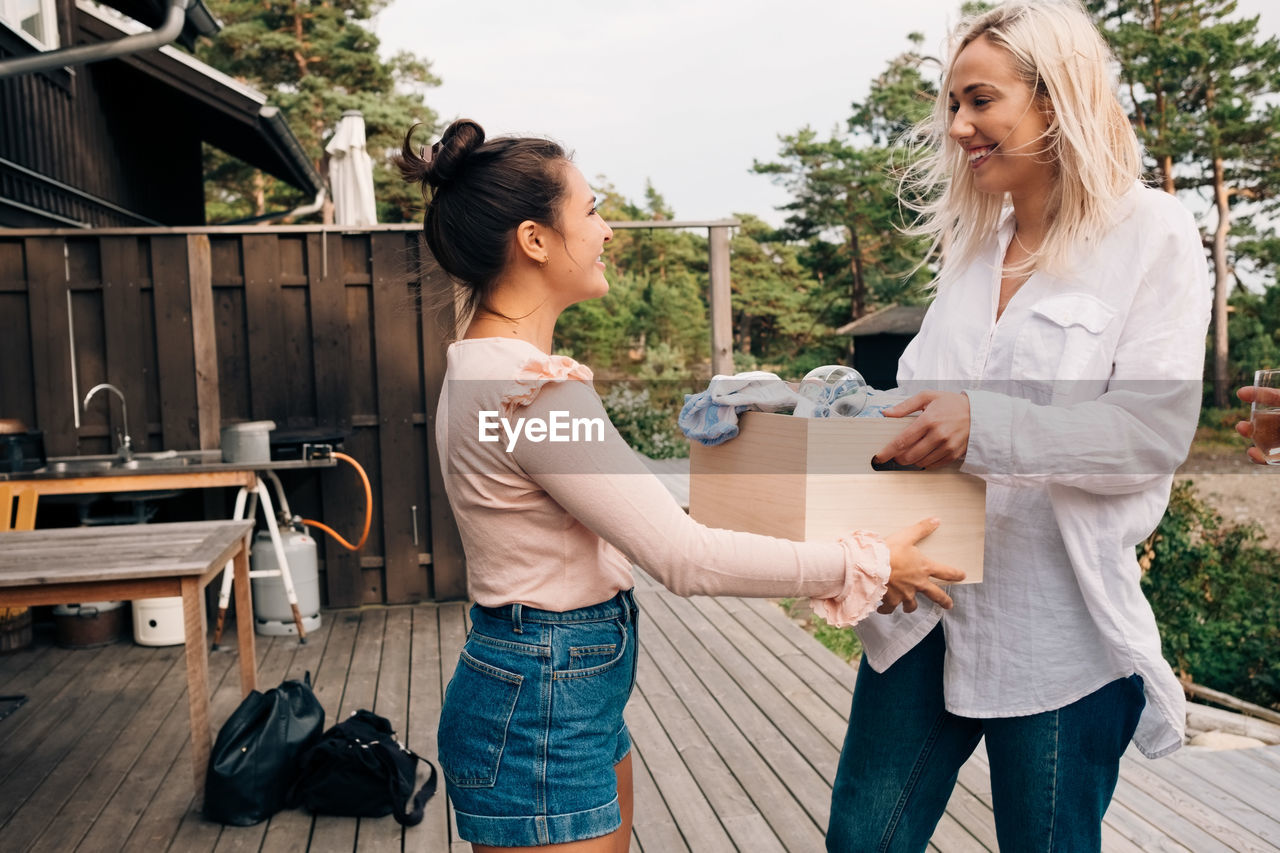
(811, 478)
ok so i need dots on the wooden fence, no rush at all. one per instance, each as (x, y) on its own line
(310, 327)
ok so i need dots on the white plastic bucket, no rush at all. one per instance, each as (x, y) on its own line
(247, 442)
(158, 621)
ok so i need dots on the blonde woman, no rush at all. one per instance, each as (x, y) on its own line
(1061, 361)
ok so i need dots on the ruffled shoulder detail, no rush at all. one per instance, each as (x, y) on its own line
(537, 372)
(866, 577)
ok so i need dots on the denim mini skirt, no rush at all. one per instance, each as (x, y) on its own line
(532, 726)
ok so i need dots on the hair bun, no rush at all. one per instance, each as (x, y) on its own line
(449, 155)
(447, 158)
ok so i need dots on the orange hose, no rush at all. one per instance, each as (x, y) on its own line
(368, 508)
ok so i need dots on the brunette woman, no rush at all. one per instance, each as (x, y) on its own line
(532, 740)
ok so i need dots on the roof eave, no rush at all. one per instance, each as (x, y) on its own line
(230, 100)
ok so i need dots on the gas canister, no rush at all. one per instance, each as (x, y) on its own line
(271, 611)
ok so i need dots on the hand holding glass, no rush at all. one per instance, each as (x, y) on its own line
(1264, 416)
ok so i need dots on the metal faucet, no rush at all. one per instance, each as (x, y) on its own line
(125, 450)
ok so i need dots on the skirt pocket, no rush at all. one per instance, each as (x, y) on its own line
(477, 710)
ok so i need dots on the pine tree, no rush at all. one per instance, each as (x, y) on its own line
(1201, 87)
(314, 60)
(777, 302)
(845, 184)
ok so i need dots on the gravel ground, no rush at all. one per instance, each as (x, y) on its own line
(1237, 488)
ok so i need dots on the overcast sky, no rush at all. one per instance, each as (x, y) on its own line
(684, 94)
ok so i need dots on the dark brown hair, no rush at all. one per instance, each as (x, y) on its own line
(477, 192)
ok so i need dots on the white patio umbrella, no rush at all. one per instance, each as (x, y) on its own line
(351, 173)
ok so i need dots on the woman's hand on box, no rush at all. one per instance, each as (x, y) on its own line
(911, 573)
(939, 436)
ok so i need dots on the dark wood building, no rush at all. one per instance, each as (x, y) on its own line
(879, 340)
(117, 143)
(107, 274)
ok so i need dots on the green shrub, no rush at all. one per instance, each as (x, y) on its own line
(1217, 429)
(648, 421)
(1214, 591)
(842, 641)
(795, 368)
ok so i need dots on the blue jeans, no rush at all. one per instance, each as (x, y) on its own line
(1052, 774)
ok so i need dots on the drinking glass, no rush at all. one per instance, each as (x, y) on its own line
(1265, 415)
(836, 386)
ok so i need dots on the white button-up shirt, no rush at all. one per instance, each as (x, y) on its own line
(1083, 401)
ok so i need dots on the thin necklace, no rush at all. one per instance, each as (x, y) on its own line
(498, 315)
(1019, 281)
(484, 314)
(1021, 245)
(491, 317)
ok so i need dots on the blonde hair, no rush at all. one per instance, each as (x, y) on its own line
(1059, 53)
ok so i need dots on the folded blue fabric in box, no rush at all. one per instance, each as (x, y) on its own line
(711, 417)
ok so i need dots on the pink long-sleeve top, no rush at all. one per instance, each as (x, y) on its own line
(556, 525)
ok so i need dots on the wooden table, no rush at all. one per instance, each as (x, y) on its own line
(196, 477)
(133, 561)
(161, 474)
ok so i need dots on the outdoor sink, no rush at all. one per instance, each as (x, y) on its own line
(149, 462)
(71, 465)
(77, 466)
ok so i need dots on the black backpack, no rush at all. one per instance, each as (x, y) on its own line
(359, 769)
(255, 758)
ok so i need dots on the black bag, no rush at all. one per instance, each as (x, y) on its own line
(359, 769)
(255, 758)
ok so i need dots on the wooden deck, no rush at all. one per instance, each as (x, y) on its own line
(738, 720)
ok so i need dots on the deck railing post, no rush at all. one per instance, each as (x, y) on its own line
(204, 341)
(721, 308)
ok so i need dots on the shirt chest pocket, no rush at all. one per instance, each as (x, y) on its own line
(1066, 338)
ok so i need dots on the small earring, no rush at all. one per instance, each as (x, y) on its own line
(542, 264)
